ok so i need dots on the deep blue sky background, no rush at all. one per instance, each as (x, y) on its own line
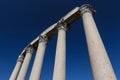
(23, 20)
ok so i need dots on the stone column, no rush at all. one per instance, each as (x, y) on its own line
(17, 68)
(60, 58)
(100, 63)
(37, 66)
(26, 62)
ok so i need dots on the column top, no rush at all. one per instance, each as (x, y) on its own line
(20, 58)
(29, 49)
(43, 38)
(62, 25)
(86, 8)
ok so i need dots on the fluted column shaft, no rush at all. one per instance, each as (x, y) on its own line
(37, 66)
(25, 65)
(17, 68)
(101, 66)
(60, 58)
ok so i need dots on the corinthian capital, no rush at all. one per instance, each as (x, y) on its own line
(86, 8)
(20, 58)
(62, 26)
(43, 38)
(29, 49)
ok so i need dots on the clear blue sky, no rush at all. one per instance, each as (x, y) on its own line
(23, 20)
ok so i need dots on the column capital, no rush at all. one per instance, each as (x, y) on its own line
(20, 58)
(29, 49)
(61, 25)
(86, 8)
(43, 38)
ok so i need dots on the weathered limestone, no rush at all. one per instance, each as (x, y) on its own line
(17, 68)
(101, 66)
(26, 62)
(37, 66)
(100, 63)
(60, 58)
